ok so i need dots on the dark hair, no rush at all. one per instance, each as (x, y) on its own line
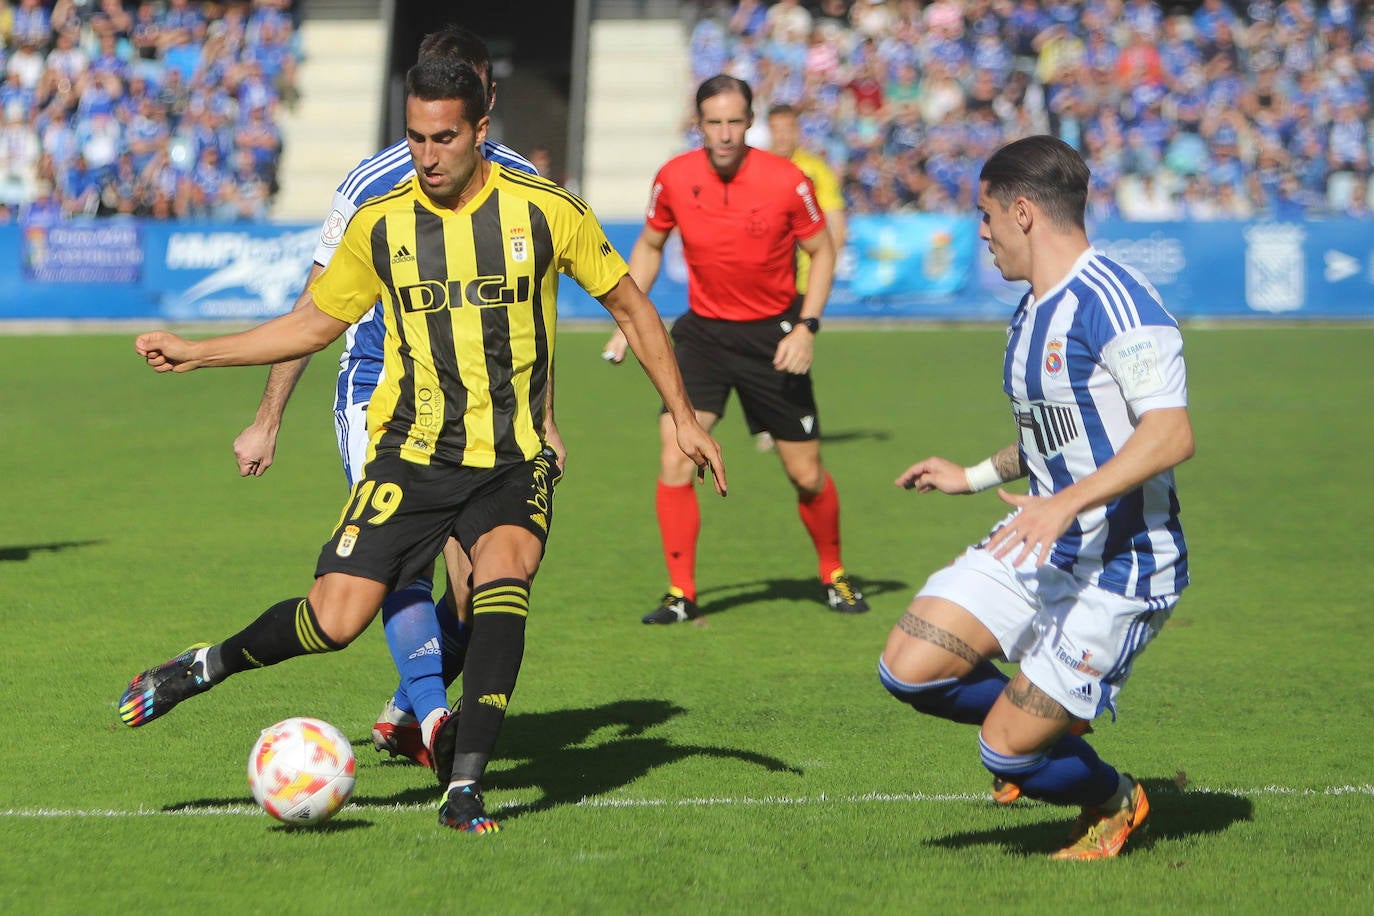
(721, 84)
(437, 77)
(460, 44)
(782, 108)
(1042, 169)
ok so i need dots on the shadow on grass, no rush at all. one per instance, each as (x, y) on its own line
(22, 552)
(807, 591)
(856, 435)
(1174, 814)
(566, 756)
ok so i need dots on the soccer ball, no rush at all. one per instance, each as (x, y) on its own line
(301, 770)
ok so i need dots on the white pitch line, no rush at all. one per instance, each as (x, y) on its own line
(610, 802)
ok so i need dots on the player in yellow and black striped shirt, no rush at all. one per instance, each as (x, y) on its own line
(464, 257)
(469, 313)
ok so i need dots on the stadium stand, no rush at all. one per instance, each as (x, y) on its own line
(1184, 109)
(159, 109)
(1211, 110)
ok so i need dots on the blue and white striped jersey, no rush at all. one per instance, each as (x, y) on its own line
(1082, 365)
(361, 362)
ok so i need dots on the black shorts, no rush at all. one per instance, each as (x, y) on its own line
(716, 356)
(399, 514)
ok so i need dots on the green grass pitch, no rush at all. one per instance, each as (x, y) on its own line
(749, 762)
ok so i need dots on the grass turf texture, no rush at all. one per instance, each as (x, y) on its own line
(748, 761)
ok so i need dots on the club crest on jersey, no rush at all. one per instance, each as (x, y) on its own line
(1054, 357)
(519, 245)
(348, 540)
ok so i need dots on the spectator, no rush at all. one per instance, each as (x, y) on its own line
(19, 152)
(31, 24)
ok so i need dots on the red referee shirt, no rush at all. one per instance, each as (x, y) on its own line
(739, 236)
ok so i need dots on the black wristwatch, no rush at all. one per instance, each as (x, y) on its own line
(812, 324)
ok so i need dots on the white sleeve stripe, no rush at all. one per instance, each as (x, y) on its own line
(499, 152)
(1109, 286)
(366, 173)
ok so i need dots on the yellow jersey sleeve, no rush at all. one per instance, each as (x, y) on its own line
(590, 258)
(828, 193)
(349, 286)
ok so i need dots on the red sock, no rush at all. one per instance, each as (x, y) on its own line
(679, 523)
(821, 516)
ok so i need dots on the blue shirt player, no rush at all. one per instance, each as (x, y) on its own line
(1084, 571)
(426, 643)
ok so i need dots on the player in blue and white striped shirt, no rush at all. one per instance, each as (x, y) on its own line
(1082, 574)
(426, 646)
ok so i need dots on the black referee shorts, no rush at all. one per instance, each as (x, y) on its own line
(716, 356)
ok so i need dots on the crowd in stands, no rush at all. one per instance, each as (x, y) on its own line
(158, 108)
(1202, 110)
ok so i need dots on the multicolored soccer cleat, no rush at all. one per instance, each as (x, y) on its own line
(463, 810)
(153, 693)
(1100, 835)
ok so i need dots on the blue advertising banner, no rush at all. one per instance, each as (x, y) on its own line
(901, 266)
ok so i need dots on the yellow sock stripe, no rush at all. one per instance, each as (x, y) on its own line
(504, 599)
(309, 635)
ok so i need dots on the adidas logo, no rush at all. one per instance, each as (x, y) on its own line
(808, 424)
(402, 255)
(431, 647)
(1084, 693)
(494, 699)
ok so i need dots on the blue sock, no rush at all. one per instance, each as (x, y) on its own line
(1069, 773)
(415, 641)
(964, 699)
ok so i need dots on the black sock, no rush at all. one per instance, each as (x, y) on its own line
(494, 654)
(456, 634)
(285, 630)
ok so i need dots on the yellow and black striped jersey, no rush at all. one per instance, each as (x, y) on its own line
(470, 302)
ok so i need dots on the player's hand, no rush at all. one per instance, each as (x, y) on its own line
(795, 351)
(934, 474)
(165, 351)
(254, 450)
(554, 440)
(614, 351)
(1032, 531)
(696, 443)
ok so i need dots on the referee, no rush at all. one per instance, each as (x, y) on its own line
(742, 213)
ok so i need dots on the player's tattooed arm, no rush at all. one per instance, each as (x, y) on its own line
(1009, 464)
(1025, 695)
(919, 628)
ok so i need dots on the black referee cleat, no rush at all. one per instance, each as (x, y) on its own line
(842, 596)
(673, 607)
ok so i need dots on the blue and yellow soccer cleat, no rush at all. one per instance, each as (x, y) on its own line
(153, 693)
(463, 810)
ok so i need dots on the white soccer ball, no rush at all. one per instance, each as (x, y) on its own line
(301, 770)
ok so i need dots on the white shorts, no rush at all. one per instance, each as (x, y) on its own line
(350, 425)
(1074, 641)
